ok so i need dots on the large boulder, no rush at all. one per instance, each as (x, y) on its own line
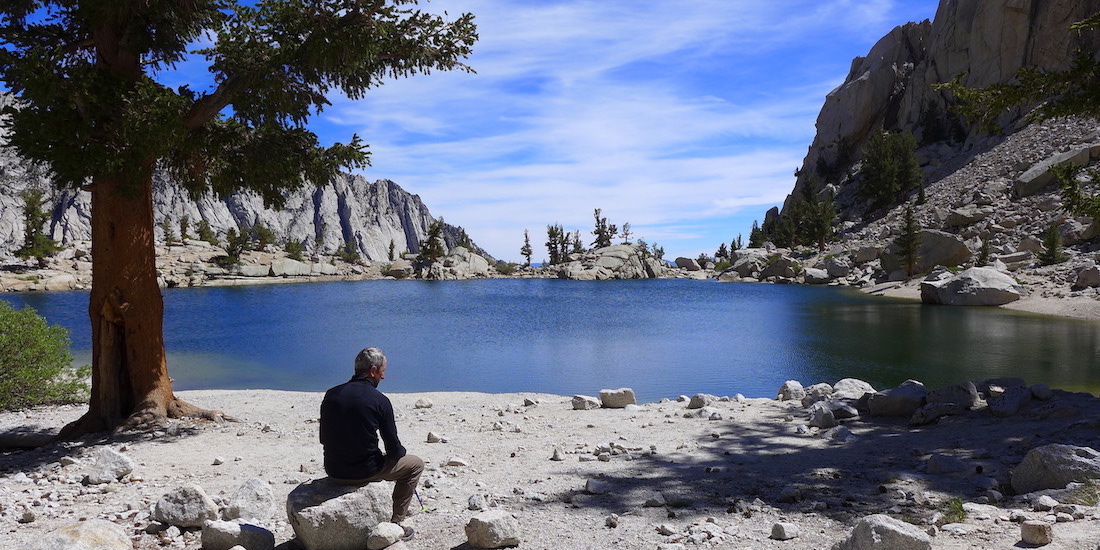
(617, 399)
(400, 269)
(783, 267)
(964, 394)
(851, 388)
(329, 516)
(185, 506)
(903, 400)
(1039, 176)
(286, 267)
(882, 532)
(688, 264)
(94, 534)
(977, 286)
(585, 403)
(466, 264)
(936, 248)
(1054, 466)
(493, 529)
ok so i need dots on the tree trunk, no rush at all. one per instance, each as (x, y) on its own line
(130, 384)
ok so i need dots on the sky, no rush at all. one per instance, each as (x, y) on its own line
(686, 120)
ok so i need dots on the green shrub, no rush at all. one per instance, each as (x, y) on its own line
(35, 362)
(294, 250)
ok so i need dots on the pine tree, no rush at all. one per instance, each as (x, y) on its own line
(890, 168)
(432, 247)
(908, 242)
(206, 233)
(756, 236)
(36, 243)
(603, 232)
(185, 225)
(100, 107)
(578, 246)
(525, 250)
(626, 233)
(722, 253)
(169, 234)
(554, 237)
(1052, 247)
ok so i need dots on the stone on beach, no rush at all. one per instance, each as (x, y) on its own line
(585, 403)
(1036, 533)
(882, 532)
(1054, 466)
(903, 400)
(254, 499)
(328, 516)
(617, 399)
(186, 506)
(493, 529)
(109, 466)
(384, 535)
(791, 390)
(224, 535)
(93, 534)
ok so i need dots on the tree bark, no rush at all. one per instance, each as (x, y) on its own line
(130, 384)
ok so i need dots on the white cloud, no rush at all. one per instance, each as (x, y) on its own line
(684, 119)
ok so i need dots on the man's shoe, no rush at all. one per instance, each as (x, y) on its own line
(409, 533)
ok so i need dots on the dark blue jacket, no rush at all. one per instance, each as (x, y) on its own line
(353, 414)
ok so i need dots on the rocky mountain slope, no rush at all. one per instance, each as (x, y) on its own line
(892, 88)
(985, 189)
(347, 209)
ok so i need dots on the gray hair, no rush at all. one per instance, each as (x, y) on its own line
(370, 357)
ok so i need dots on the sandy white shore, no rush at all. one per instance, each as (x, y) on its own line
(701, 466)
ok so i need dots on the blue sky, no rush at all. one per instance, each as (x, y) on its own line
(685, 119)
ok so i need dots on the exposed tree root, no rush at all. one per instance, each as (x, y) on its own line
(148, 417)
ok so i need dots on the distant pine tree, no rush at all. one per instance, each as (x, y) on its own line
(908, 242)
(1052, 247)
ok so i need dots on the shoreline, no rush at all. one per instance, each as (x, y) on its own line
(720, 476)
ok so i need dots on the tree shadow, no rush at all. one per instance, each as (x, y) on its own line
(883, 468)
(29, 448)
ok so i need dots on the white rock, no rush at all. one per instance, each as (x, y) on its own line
(110, 465)
(791, 390)
(493, 529)
(384, 535)
(1054, 466)
(224, 535)
(327, 516)
(784, 531)
(185, 506)
(882, 532)
(617, 399)
(423, 403)
(434, 437)
(585, 402)
(93, 534)
(254, 499)
(1036, 533)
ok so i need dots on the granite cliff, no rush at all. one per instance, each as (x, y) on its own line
(347, 209)
(892, 87)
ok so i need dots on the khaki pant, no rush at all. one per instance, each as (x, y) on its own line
(405, 473)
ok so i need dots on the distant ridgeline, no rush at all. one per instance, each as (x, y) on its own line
(892, 89)
(348, 209)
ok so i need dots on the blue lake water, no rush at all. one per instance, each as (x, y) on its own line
(662, 337)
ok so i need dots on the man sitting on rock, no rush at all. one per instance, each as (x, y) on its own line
(353, 415)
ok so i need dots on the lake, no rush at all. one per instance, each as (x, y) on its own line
(662, 337)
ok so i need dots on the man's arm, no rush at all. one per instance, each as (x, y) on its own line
(387, 428)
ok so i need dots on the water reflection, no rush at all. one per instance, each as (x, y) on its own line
(663, 338)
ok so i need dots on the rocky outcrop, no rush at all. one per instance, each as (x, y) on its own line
(977, 286)
(620, 261)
